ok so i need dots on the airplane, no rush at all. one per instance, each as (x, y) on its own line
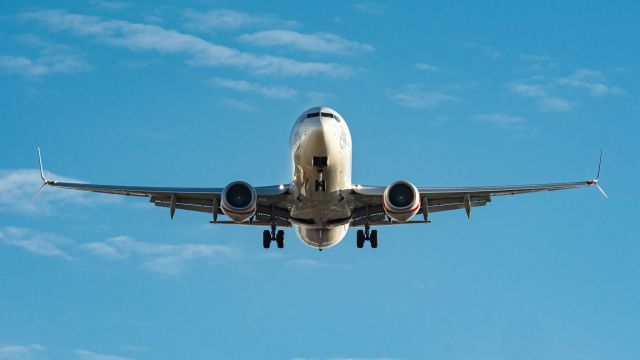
(321, 202)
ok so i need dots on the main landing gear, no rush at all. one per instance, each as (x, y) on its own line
(371, 236)
(273, 235)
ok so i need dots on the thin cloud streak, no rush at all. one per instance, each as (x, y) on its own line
(501, 119)
(167, 259)
(163, 258)
(112, 5)
(38, 243)
(414, 96)
(310, 264)
(90, 355)
(51, 58)
(544, 89)
(545, 101)
(486, 50)
(427, 67)
(225, 19)
(20, 351)
(371, 8)
(591, 80)
(199, 52)
(277, 92)
(18, 188)
(314, 43)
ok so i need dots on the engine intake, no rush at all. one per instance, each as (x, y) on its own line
(239, 201)
(401, 201)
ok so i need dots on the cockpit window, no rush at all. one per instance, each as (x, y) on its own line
(323, 114)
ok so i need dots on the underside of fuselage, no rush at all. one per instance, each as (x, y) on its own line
(321, 178)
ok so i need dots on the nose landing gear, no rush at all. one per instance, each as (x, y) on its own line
(320, 183)
(320, 162)
(366, 235)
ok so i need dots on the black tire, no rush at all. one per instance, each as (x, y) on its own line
(280, 239)
(374, 239)
(360, 239)
(266, 239)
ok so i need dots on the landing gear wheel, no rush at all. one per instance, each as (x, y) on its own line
(374, 239)
(280, 239)
(360, 239)
(266, 239)
(320, 185)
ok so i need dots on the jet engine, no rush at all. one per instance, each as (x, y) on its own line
(401, 201)
(239, 201)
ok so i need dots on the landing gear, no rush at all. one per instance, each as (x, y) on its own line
(360, 239)
(373, 239)
(320, 162)
(280, 239)
(320, 183)
(273, 235)
(266, 239)
(371, 236)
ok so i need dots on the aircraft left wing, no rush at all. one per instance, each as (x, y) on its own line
(271, 200)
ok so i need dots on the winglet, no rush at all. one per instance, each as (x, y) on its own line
(595, 181)
(41, 168)
(45, 182)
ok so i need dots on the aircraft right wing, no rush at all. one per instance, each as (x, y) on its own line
(369, 207)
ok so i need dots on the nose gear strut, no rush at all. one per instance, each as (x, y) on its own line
(320, 162)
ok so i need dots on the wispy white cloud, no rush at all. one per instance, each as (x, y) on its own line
(51, 58)
(310, 264)
(345, 358)
(535, 58)
(112, 5)
(167, 259)
(18, 187)
(163, 258)
(20, 352)
(486, 50)
(225, 19)
(372, 8)
(591, 80)
(416, 96)
(238, 104)
(545, 89)
(545, 100)
(90, 355)
(146, 37)
(427, 67)
(279, 92)
(38, 243)
(314, 43)
(501, 119)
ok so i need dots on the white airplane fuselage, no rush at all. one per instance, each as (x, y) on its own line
(321, 154)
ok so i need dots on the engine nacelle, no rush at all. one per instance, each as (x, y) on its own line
(401, 201)
(239, 201)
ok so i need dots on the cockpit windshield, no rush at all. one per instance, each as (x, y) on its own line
(323, 114)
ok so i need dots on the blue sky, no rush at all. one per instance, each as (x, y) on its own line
(203, 93)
